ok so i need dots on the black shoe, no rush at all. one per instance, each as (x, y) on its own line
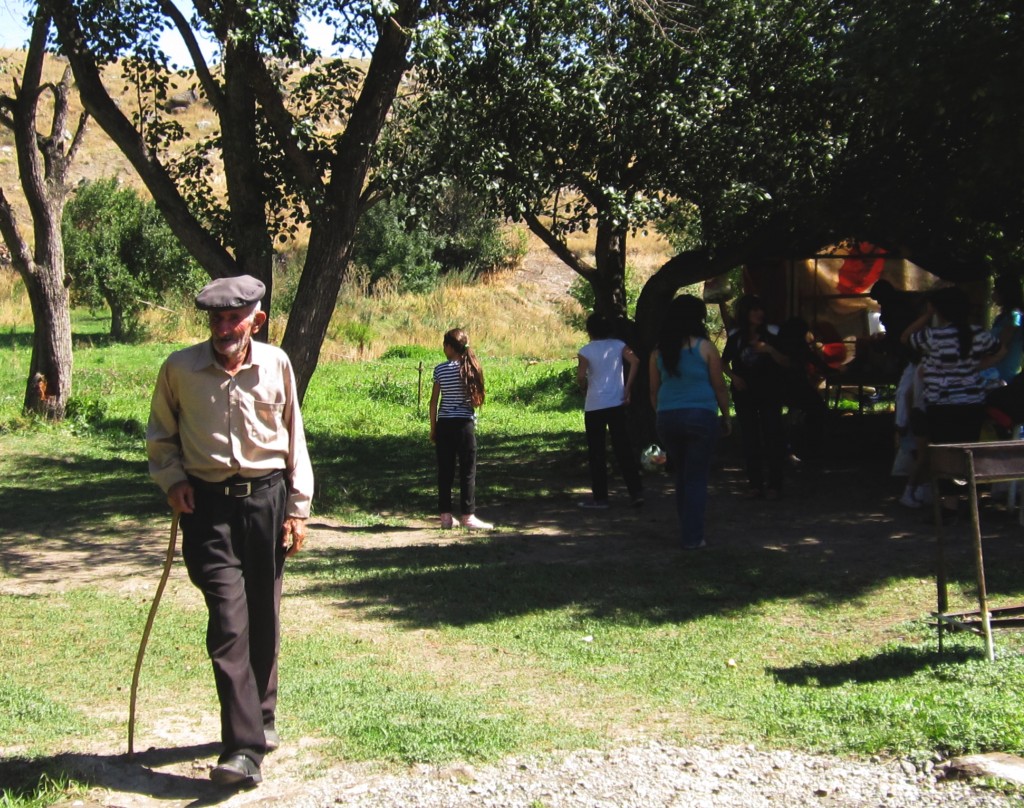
(237, 770)
(272, 739)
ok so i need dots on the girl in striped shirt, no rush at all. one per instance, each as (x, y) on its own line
(458, 391)
(954, 352)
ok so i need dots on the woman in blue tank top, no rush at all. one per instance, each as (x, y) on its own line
(687, 391)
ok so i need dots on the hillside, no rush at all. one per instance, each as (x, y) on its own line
(98, 159)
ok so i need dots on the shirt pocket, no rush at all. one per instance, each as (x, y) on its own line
(267, 424)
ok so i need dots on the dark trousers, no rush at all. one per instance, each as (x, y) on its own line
(763, 437)
(456, 441)
(954, 423)
(232, 550)
(613, 420)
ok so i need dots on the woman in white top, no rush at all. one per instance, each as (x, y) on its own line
(601, 373)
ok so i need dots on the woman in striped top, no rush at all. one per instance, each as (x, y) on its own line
(954, 353)
(458, 391)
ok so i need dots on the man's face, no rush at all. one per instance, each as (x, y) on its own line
(231, 331)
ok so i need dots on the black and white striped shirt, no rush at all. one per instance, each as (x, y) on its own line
(455, 400)
(948, 377)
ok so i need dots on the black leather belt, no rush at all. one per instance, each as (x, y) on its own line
(237, 486)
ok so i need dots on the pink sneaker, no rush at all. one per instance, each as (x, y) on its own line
(473, 523)
(447, 522)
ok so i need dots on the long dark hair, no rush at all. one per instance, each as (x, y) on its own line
(470, 371)
(952, 305)
(684, 320)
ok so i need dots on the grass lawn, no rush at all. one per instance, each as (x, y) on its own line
(805, 628)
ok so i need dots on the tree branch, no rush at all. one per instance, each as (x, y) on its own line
(558, 247)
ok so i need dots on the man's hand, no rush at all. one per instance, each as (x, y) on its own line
(181, 497)
(293, 534)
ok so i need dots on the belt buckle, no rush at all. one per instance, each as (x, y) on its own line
(238, 490)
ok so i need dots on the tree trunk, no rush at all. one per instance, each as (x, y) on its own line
(116, 321)
(333, 226)
(609, 282)
(50, 368)
(43, 163)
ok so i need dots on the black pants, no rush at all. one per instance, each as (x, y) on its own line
(456, 441)
(954, 423)
(612, 419)
(763, 437)
(232, 550)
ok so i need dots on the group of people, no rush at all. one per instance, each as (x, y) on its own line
(767, 369)
(952, 368)
(225, 442)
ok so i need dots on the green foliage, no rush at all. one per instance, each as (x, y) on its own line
(582, 291)
(120, 251)
(933, 129)
(418, 352)
(391, 246)
(452, 233)
(585, 117)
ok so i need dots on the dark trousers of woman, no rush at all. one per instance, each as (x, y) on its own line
(954, 423)
(613, 420)
(456, 441)
(233, 554)
(763, 437)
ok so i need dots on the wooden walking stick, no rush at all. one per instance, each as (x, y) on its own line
(168, 563)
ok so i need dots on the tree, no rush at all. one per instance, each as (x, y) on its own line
(120, 251)
(935, 122)
(592, 117)
(285, 159)
(43, 163)
(451, 233)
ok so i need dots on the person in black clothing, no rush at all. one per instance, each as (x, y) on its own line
(803, 375)
(897, 310)
(755, 364)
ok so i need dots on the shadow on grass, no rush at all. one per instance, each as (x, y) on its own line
(23, 340)
(837, 536)
(63, 494)
(393, 473)
(27, 778)
(889, 665)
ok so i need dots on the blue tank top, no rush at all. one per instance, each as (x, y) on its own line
(691, 389)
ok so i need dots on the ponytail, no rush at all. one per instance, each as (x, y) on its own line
(470, 371)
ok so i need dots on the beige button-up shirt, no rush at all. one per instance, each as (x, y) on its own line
(209, 424)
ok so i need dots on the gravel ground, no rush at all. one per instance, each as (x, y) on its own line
(661, 775)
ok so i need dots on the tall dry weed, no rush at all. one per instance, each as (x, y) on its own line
(502, 318)
(15, 308)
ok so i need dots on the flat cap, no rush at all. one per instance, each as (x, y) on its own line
(231, 293)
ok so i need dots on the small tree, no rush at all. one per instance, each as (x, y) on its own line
(44, 159)
(452, 233)
(120, 251)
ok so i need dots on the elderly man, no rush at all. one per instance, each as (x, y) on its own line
(226, 443)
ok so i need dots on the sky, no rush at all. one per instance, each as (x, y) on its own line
(14, 32)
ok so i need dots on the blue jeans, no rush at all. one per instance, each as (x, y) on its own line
(689, 436)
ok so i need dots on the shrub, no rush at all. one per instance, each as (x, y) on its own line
(412, 247)
(119, 251)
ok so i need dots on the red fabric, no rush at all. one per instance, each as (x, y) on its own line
(859, 273)
(834, 353)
